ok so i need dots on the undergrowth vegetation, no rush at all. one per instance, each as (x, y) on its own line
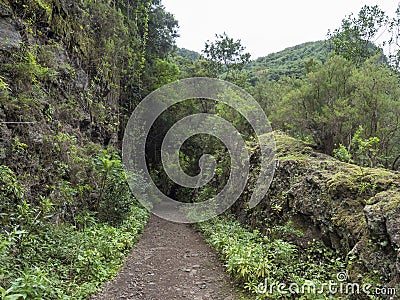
(64, 245)
(261, 262)
(61, 262)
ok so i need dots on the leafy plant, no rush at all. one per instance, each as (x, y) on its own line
(114, 198)
(365, 150)
(72, 263)
(342, 154)
(255, 260)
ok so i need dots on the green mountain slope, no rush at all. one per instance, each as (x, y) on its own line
(185, 53)
(288, 62)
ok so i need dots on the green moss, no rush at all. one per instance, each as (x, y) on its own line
(382, 178)
(293, 157)
(341, 180)
(353, 222)
(387, 201)
(285, 143)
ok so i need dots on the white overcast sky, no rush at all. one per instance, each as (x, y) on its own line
(264, 26)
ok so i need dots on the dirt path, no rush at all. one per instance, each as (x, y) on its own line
(170, 261)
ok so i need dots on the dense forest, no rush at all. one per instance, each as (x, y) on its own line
(71, 74)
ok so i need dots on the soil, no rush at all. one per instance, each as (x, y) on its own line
(170, 261)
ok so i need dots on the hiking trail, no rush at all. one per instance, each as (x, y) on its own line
(170, 261)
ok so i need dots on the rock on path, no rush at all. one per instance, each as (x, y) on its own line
(170, 261)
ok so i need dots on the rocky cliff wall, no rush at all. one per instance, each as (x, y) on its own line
(351, 209)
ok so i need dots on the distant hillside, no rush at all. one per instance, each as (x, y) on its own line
(185, 53)
(288, 62)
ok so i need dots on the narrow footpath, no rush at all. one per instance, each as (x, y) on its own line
(170, 261)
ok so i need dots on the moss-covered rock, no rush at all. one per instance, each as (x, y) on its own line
(351, 209)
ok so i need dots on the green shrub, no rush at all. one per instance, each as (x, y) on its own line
(62, 245)
(114, 198)
(342, 154)
(11, 194)
(60, 262)
(254, 260)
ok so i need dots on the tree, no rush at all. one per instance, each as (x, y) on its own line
(320, 104)
(333, 100)
(394, 42)
(377, 106)
(152, 33)
(225, 57)
(355, 39)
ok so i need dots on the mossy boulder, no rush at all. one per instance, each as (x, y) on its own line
(352, 209)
